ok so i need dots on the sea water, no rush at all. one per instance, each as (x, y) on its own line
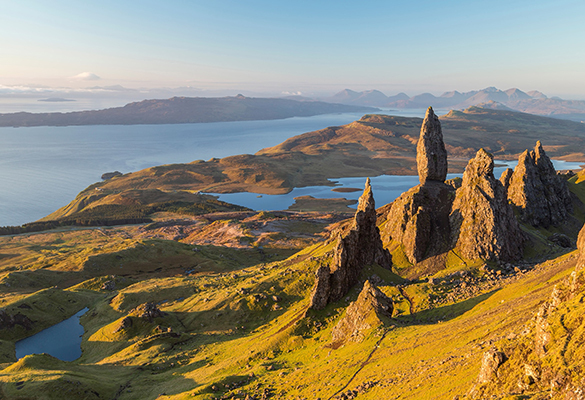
(43, 168)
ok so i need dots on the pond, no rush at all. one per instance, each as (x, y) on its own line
(62, 340)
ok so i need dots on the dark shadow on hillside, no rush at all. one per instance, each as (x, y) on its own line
(444, 313)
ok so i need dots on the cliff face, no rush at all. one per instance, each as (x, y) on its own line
(482, 221)
(358, 246)
(540, 195)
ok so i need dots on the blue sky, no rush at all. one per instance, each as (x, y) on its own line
(312, 47)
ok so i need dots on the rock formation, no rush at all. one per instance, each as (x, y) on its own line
(482, 222)
(490, 364)
(506, 177)
(541, 196)
(431, 156)
(358, 245)
(419, 219)
(365, 313)
(148, 311)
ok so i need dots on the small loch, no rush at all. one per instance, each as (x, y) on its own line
(62, 340)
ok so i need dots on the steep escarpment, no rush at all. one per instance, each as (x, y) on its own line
(356, 246)
(482, 222)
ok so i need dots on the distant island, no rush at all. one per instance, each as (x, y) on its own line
(533, 102)
(180, 110)
(56, 100)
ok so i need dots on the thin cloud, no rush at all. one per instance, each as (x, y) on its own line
(86, 76)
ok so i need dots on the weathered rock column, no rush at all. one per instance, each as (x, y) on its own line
(431, 155)
(358, 246)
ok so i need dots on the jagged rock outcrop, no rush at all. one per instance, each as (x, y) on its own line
(431, 155)
(541, 196)
(506, 177)
(148, 311)
(357, 246)
(490, 364)
(419, 221)
(482, 222)
(367, 312)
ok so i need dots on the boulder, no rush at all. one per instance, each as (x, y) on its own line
(367, 312)
(356, 246)
(540, 195)
(482, 222)
(431, 155)
(490, 363)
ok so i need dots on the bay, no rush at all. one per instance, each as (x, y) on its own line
(43, 168)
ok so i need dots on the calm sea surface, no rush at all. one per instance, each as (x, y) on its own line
(43, 168)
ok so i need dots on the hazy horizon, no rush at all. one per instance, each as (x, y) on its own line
(309, 48)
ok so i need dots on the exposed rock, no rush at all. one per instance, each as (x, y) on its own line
(560, 240)
(489, 365)
(357, 246)
(110, 175)
(147, 311)
(126, 323)
(109, 285)
(431, 155)
(363, 314)
(482, 221)
(8, 320)
(419, 221)
(541, 196)
(506, 177)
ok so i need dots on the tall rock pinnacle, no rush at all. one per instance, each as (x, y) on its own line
(431, 156)
(357, 246)
(482, 222)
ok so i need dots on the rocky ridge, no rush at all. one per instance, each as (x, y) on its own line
(356, 246)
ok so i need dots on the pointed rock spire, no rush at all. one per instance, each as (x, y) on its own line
(431, 156)
(482, 221)
(358, 245)
(540, 195)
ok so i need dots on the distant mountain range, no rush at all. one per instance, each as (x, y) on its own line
(179, 110)
(533, 102)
